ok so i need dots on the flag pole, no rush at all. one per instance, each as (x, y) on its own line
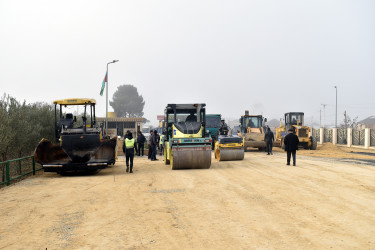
(106, 105)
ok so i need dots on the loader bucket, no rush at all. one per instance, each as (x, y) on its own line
(191, 157)
(73, 155)
(48, 153)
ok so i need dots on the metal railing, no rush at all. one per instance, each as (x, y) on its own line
(316, 134)
(372, 137)
(327, 135)
(342, 136)
(17, 172)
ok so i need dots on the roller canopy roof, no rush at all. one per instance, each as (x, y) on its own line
(185, 106)
(75, 101)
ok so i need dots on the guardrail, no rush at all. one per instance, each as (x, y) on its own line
(10, 176)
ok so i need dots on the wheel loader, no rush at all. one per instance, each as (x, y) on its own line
(186, 143)
(79, 145)
(295, 121)
(228, 147)
(252, 131)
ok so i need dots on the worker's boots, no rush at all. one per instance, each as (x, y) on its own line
(131, 169)
(127, 169)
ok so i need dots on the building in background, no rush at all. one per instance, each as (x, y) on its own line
(117, 126)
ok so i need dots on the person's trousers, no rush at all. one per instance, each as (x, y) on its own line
(269, 147)
(153, 154)
(141, 146)
(161, 149)
(149, 151)
(288, 154)
(129, 157)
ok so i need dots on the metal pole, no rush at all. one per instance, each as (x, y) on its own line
(324, 114)
(320, 118)
(336, 107)
(106, 105)
(7, 173)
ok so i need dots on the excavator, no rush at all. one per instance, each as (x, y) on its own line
(79, 145)
(187, 145)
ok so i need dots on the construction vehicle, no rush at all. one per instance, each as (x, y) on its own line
(186, 143)
(252, 131)
(228, 148)
(295, 121)
(213, 123)
(79, 145)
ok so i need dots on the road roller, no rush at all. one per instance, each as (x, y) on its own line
(187, 145)
(228, 147)
(79, 145)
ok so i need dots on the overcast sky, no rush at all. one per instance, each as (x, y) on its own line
(269, 57)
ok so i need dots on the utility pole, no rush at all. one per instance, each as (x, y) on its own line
(320, 118)
(324, 114)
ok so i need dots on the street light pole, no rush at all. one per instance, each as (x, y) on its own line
(324, 114)
(336, 108)
(106, 102)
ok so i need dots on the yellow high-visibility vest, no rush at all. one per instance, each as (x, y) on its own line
(161, 139)
(129, 143)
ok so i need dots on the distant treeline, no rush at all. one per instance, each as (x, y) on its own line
(22, 126)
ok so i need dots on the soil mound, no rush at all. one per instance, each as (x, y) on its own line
(330, 147)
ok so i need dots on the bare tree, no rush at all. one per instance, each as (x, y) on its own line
(349, 122)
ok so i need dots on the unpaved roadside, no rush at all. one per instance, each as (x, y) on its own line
(255, 203)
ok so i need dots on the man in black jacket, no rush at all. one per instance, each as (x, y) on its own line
(141, 139)
(291, 145)
(154, 144)
(269, 138)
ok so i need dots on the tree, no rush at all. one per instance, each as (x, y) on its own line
(348, 122)
(127, 102)
(22, 126)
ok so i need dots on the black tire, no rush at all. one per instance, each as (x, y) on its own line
(314, 143)
(282, 143)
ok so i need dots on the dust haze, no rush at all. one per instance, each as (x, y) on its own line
(269, 57)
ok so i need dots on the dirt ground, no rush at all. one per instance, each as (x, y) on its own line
(255, 203)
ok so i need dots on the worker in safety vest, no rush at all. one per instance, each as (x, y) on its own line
(130, 148)
(161, 143)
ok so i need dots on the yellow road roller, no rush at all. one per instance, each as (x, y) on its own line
(187, 145)
(229, 148)
(79, 144)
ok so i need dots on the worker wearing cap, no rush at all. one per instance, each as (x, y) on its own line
(130, 147)
(291, 145)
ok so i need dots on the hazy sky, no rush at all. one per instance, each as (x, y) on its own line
(269, 57)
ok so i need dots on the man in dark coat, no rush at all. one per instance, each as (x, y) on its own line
(149, 143)
(269, 138)
(154, 144)
(141, 139)
(291, 145)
